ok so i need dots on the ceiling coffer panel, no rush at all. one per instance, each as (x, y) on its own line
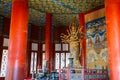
(62, 10)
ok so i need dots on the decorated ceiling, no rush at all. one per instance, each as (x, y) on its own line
(62, 10)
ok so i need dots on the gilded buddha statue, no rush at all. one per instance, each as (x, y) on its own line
(73, 38)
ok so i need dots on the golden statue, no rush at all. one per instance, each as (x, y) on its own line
(73, 38)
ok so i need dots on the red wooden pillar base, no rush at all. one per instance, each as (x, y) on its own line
(113, 35)
(18, 40)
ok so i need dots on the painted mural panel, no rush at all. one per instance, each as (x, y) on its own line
(96, 43)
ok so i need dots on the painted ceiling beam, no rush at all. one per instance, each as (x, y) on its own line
(5, 8)
(37, 9)
(65, 6)
(5, 4)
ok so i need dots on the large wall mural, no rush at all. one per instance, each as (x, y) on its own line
(96, 43)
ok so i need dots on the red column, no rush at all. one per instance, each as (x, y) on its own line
(18, 40)
(83, 41)
(48, 39)
(113, 35)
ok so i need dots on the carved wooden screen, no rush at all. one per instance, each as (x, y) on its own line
(61, 55)
(67, 60)
(4, 57)
(33, 65)
(4, 63)
(57, 62)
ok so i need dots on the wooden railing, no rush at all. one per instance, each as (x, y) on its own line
(96, 74)
(83, 74)
(80, 74)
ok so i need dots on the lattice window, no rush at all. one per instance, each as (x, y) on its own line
(57, 60)
(43, 55)
(43, 47)
(65, 47)
(61, 55)
(34, 46)
(4, 63)
(67, 59)
(35, 61)
(62, 60)
(57, 47)
(33, 65)
(5, 42)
